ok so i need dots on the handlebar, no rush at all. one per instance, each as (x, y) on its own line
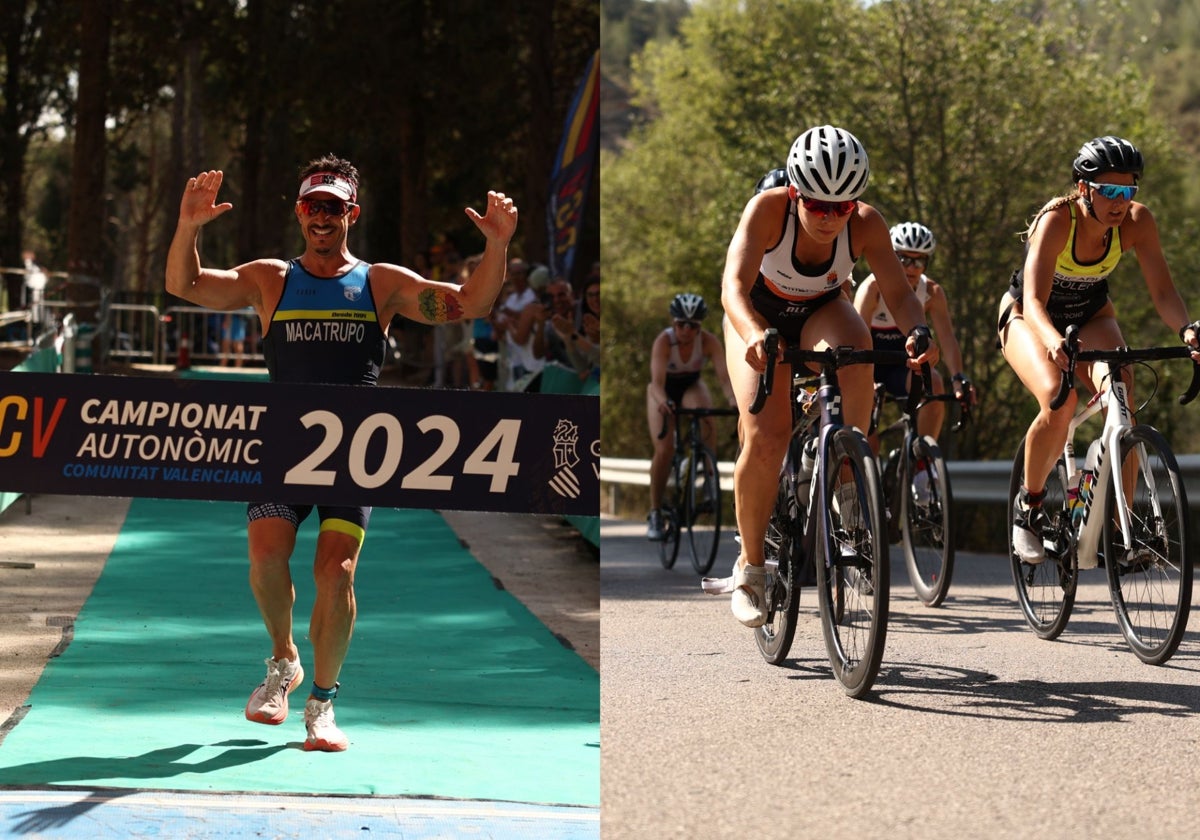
(920, 396)
(693, 412)
(1120, 355)
(833, 357)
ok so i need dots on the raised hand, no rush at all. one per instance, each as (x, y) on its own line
(499, 219)
(199, 203)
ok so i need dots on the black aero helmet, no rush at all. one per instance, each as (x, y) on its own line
(1107, 154)
(774, 178)
(687, 306)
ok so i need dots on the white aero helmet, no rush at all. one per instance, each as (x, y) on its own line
(912, 236)
(829, 164)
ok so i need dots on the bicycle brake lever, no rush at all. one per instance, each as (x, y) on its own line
(767, 379)
(1071, 346)
(1194, 388)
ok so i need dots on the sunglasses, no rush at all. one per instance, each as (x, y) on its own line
(919, 262)
(1114, 191)
(328, 206)
(828, 208)
(691, 325)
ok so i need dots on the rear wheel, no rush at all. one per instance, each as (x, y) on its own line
(1046, 590)
(925, 522)
(704, 491)
(853, 575)
(1150, 573)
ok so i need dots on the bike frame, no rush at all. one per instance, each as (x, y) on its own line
(1112, 399)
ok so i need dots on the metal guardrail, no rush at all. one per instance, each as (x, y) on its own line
(978, 482)
(140, 333)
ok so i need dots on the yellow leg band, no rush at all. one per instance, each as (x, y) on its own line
(344, 527)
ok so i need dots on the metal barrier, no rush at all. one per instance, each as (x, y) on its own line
(135, 333)
(201, 328)
(24, 337)
(978, 482)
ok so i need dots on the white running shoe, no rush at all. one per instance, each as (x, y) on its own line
(269, 702)
(845, 502)
(323, 733)
(749, 603)
(921, 488)
(1027, 531)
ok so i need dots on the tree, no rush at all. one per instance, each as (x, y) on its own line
(36, 41)
(85, 230)
(961, 106)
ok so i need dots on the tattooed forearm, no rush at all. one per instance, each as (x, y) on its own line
(439, 306)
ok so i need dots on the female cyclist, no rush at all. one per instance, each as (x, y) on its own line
(794, 248)
(1073, 244)
(676, 359)
(914, 244)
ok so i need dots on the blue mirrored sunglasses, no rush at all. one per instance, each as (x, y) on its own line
(1114, 191)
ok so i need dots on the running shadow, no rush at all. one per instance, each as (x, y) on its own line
(156, 764)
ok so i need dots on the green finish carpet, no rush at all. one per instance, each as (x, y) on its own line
(452, 688)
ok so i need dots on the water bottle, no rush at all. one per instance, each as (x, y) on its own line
(1074, 503)
(804, 471)
(1079, 488)
(1093, 457)
(1090, 464)
(808, 459)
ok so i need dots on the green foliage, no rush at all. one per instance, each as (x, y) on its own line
(971, 110)
(436, 104)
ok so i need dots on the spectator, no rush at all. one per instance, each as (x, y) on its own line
(233, 339)
(560, 325)
(515, 322)
(583, 346)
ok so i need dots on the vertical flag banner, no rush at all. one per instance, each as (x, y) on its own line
(573, 171)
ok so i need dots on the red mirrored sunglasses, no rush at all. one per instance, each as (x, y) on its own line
(828, 208)
(329, 206)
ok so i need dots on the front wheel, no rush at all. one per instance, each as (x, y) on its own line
(1150, 570)
(925, 521)
(668, 549)
(704, 509)
(853, 575)
(1045, 590)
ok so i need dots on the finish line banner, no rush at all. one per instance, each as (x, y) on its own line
(223, 440)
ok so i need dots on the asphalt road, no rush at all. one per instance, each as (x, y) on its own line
(975, 727)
